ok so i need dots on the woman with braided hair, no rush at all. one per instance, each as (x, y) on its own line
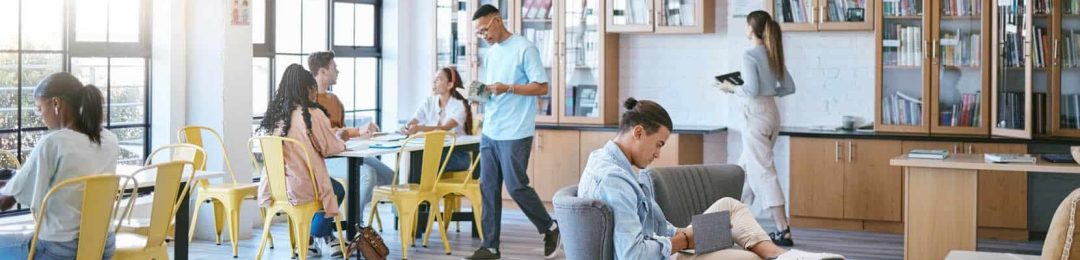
(293, 113)
(446, 110)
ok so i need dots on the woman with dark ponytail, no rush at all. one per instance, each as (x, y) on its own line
(76, 146)
(293, 113)
(766, 78)
(446, 110)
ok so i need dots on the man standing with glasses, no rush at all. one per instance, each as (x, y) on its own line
(515, 75)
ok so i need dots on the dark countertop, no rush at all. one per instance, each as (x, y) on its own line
(679, 129)
(808, 132)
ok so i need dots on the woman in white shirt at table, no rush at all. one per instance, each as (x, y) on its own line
(446, 110)
(77, 145)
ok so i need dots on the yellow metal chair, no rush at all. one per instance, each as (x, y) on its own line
(408, 197)
(272, 148)
(96, 215)
(452, 187)
(176, 152)
(226, 197)
(151, 244)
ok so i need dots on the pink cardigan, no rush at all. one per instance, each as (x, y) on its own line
(298, 184)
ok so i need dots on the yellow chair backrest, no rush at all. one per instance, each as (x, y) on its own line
(180, 152)
(96, 216)
(472, 168)
(273, 152)
(430, 169)
(9, 160)
(194, 135)
(167, 179)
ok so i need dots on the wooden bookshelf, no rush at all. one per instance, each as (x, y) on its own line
(823, 15)
(1065, 70)
(903, 76)
(960, 45)
(660, 16)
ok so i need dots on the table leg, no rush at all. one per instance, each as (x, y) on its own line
(353, 196)
(183, 219)
(940, 211)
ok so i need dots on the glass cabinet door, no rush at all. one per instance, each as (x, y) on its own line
(1068, 62)
(846, 14)
(1017, 67)
(796, 15)
(957, 66)
(683, 16)
(538, 25)
(582, 90)
(453, 33)
(902, 85)
(627, 15)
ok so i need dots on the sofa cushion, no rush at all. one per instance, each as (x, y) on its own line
(1063, 237)
(685, 191)
(586, 226)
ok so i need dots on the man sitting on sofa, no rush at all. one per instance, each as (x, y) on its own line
(641, 230)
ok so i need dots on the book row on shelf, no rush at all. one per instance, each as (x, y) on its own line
(796, 11)
(544, 40)
(902, 109)
(1071, 57)
(902, 8)
(960, 49)
(962, 7)
(1070, 111)
(678, 14)
(1011, 114)
(1013, 52)
(1039, 6)
(536, 9)
(1071, 7)
(631, 12)
(902, 46)
(582, 48)
(966, 113)
(838, 10)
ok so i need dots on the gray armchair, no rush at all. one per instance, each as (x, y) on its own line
(681, 192)
(587, 226)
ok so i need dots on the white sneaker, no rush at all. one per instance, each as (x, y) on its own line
(314, 250)
(335, 247)
(803, 255)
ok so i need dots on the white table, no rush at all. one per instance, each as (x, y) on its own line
(972, 255)
(356, 159)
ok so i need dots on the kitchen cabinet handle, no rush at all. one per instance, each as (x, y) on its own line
(969, 149)
(849, 148)
(955, 148)
(933, 54)
(836, 152)
(1056, 52)
(821, 9)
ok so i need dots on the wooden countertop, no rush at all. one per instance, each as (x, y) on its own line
(679, 129)
(976, 162)
(832, 133)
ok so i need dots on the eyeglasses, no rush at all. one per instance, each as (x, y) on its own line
(482, 33)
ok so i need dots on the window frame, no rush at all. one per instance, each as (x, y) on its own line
(268, 50)
(72, 49)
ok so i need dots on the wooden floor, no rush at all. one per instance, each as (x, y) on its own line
(520, 240)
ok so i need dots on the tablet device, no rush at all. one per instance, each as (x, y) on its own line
(712, 232)
(1058, 158)
(734, 78)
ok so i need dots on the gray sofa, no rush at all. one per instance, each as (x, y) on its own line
(681, 192)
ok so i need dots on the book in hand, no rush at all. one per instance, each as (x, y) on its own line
(478, 92)
(712, 232)
(734, 78)
(1008, 158)
(928, 154)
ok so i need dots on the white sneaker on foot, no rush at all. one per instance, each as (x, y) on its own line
(795, 254)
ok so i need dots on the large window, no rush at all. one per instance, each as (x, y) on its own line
(286, 31)
(102, 42)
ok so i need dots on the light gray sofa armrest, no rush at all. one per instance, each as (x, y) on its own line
(685, 191)
(587, 226)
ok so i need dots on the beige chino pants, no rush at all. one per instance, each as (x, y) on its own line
(759, 137)
(744, 229)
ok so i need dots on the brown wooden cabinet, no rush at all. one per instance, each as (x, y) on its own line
(660, 16)
(590, 141)
(822, 15)
(817, 170)
(555, 166)
(872, 188)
